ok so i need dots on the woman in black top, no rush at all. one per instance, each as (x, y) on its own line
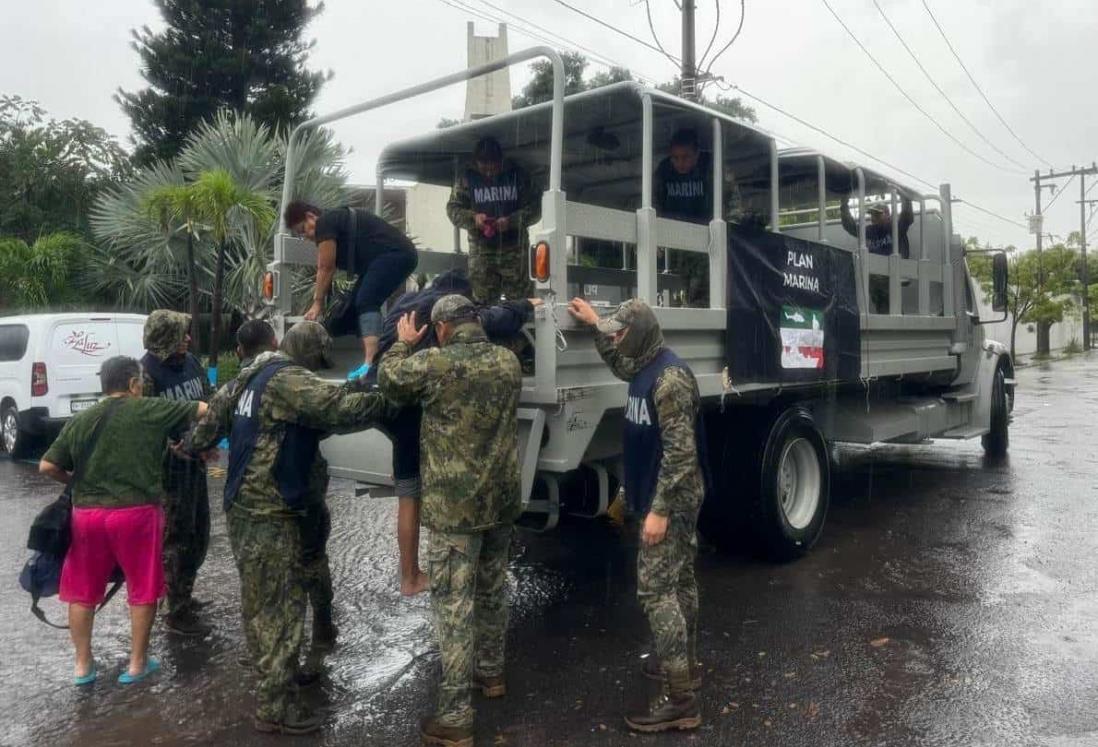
(358, 242)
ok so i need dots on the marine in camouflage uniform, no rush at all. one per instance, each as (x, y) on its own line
(276, 412)
(504, 194)
(170, 372)
(664, 482)
(469, 390)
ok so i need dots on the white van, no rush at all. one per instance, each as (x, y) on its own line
(49, 369)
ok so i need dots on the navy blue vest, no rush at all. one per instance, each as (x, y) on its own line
(643, 447)
(496, 198)
(296, 453)
(184, 383)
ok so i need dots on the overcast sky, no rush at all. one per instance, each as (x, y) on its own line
(1034, 60)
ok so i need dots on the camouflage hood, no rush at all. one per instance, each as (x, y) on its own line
(308, 344)
(643, 341)
(165, 332)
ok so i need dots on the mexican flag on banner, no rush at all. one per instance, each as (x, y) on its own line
(802, 337)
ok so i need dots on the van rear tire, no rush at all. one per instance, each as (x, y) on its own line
(14, 440)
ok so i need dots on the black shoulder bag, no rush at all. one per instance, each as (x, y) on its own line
(341, 318)
(51, 534)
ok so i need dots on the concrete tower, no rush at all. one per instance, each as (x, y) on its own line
(489, 94)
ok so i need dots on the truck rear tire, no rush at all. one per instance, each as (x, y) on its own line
(997, 441)
(771, 482)
(794, 479)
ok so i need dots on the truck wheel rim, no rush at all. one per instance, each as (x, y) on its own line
(9, 431)
(799, 482)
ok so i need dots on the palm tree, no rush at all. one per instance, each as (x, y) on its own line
(174, 205)
(224, 205)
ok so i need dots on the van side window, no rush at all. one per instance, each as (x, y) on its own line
(13, 342)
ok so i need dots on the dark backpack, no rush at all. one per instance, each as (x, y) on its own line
(51, 534)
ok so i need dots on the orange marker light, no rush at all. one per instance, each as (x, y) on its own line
(268, 285)
(541, 262)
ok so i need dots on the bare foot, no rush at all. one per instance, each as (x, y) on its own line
(417, 585)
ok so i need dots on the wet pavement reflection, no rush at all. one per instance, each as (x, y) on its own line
(950, 601)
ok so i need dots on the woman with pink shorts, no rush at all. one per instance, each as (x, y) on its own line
(117, 519)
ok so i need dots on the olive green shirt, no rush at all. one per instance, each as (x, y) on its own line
(126, 466)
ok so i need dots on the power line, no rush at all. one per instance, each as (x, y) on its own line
(1056, 196)
(614, 28)
(655, 36)
(713, 38)
(598, 56)
(907, 96)
(735, 36)
(977, 86)
(993, 214)
(938, 88)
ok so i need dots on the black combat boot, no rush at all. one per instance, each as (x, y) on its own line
(325, 631)
(184, 622)
(294, 722)
(434, 734)
(678, 709)
(493, 686)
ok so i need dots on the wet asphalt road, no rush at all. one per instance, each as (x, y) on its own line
(949, 602)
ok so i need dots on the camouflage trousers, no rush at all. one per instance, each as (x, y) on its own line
(668, 592)
(496, 270)
(316, 528)
(267, 550)
(694, 269)
(468, 574)
(186, 529)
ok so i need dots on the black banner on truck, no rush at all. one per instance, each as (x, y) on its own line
(792, 310)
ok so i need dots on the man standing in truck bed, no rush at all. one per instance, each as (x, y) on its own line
(496, 202)
(664, 482)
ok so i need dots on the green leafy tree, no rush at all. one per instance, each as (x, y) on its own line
(247, 55)
(40, 275)
(224, 204)
(51, 171)
(1039, 288)
(141, 256)
(540, 86)
(175, 207)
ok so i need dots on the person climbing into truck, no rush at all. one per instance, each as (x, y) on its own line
(501, 323)
(362, 244)
(664, 455)
(496, 201)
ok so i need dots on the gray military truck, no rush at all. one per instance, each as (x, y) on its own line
(841, 308)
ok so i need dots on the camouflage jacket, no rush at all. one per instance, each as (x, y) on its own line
(680, 486)
(293, 395)
(462, 212)
(469, 390)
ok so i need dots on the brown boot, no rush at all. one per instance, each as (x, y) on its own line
(669, 712)
(653, 670)
(493, 686)
(431, 732)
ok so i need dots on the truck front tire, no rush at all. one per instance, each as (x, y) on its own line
(996, 441)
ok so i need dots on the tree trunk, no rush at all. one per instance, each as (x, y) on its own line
(192, 290)
(215, 323)
(1043, 329)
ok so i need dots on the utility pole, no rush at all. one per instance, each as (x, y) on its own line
(689, 72)
(1038, 177)
(1083, 203)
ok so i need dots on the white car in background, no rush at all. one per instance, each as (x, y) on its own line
(49, 369)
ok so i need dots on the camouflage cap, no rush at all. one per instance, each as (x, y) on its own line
(165, 331)
(451, 308)
(625, 315)
(309, 345)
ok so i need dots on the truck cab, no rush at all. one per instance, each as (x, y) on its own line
(809, 333)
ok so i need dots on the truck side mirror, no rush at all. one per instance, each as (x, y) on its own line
(999, 282)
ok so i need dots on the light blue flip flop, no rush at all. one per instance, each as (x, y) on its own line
(88, 678)
(151, 666)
